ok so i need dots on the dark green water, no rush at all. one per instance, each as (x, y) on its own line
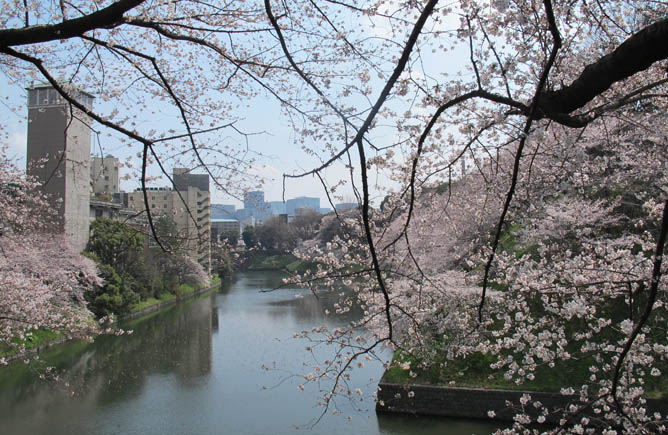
(196, 369)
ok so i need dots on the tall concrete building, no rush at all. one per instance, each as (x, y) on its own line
(188, 205)
(104, 174)
(195, 196)
(183, 179)
(58, 155)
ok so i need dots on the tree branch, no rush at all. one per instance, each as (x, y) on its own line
(635, 54)
(109, 17)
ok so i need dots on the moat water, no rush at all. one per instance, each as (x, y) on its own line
(196, 368)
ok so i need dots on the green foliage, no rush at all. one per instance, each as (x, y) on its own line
(306, 225)
(249, 237)
(301, 266)
(330, 229)
(184, 290)
(221, 263)
(144, 278)
(276, 235)
(267, 237)
(128, 277)
(273, 262)
(163, 297)
(33, 339)
(168, 234)
(474, 370)
(231, 237)
(115, 297)
(114, 243)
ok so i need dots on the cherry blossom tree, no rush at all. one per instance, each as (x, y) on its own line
(557, 114)
(42, 275)
(526, 139)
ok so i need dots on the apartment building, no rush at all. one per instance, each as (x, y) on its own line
(104, 175)
(188, 207)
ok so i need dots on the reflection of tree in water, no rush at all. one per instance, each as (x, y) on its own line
(176, 342)
(266, 280)
(311, 307)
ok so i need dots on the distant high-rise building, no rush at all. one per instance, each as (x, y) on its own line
(58, 155)
(223, 211)
(104, 174)
(254, 200)
(302, 202)
(276, 207)
(343, 206)
(255, 206)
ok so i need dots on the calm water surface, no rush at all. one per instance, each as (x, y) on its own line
(196, 369)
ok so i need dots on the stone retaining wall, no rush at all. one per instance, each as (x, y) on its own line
(474, 403)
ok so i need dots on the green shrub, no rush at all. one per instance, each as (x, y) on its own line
(116, 296)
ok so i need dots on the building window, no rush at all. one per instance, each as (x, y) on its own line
(165, 206)
(54, 97)
(42, 96)
(152, 205)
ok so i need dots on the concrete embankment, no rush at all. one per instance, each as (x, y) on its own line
(167, 303)
(475, 403)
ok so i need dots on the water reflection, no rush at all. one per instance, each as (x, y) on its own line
(176, 343)
(195, 369)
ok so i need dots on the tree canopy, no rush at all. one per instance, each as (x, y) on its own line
(114, 243)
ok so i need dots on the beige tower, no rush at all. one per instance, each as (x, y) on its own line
(194, 194)
(104, 174)
(58, 156)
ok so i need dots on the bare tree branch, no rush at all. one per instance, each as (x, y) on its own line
(107, 18)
